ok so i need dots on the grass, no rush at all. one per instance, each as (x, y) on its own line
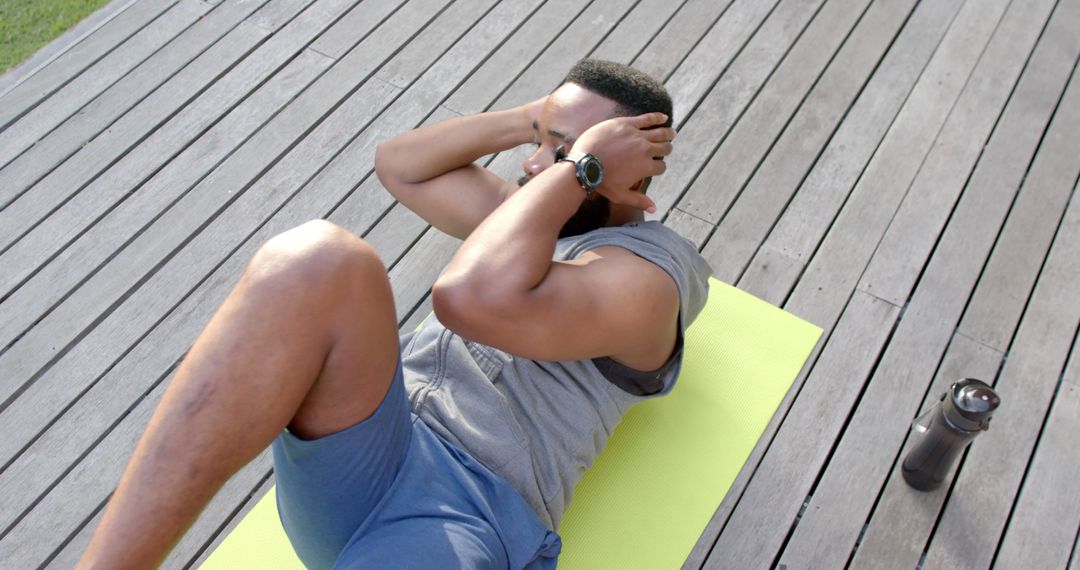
(27, 25)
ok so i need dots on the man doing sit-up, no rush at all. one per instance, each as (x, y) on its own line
(457, 446)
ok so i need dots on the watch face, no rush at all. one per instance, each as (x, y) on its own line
(594, 173)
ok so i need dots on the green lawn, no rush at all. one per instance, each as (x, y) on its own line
(27, 25)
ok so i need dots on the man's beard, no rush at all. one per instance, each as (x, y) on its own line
(593, 213)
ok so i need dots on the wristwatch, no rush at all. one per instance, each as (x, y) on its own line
(590, 172)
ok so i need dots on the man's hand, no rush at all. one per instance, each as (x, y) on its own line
(630, 148)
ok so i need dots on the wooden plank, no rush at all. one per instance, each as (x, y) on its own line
(719, 181)
(1040, 532)
(678, 37)
(139, 315)
(850, 484)
(354, 26)
(277, 14)
(162, 68)
(932, 197)
(773, 184)
(792, 242)
(753, 535)
(903, 519)
(46, 116)
(983, 494)
(62, 44)
(820, 300)
(95, 192)
(702, 130)
(23, 96)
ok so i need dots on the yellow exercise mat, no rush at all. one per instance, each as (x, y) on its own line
(670, 462)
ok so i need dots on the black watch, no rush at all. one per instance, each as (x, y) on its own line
(590, 172)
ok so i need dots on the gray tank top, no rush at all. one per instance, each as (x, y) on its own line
(541, 424)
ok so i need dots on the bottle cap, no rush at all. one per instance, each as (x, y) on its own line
(970, 404)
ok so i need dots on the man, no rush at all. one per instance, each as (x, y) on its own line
(460, 446)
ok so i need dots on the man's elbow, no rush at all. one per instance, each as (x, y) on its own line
(468, 308)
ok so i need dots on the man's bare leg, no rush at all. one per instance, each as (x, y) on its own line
(307, 339)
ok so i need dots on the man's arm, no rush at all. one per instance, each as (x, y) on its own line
(430, 170)
(503, 289)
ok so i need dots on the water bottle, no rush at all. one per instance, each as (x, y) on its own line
(947, 428)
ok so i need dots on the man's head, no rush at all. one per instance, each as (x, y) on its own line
(593, 91)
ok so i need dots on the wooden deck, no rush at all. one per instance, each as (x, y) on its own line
(900, 173)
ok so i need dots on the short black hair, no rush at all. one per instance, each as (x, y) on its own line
(634, 91)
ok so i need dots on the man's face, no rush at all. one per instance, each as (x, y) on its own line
(568, 112)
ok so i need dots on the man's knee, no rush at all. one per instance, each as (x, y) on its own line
(314, 256)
